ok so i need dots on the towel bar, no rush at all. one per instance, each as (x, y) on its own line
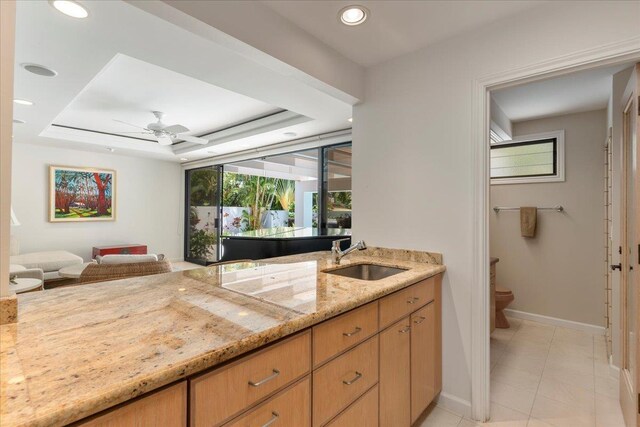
(558, 208)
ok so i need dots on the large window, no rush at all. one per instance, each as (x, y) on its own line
(270, 195)
(336, 209)
(534, 158)
(302, 194)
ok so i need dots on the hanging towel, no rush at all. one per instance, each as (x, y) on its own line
(528, 219)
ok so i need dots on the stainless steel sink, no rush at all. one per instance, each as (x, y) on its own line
(366, 271)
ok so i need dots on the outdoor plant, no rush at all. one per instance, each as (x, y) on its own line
(200, 241)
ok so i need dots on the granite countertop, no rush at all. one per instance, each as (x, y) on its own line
(76, 351)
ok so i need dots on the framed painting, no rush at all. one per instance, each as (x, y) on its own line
(81, 194)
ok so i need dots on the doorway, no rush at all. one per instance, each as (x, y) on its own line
(480, 361)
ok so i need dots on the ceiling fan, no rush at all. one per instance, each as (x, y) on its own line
(166, 134)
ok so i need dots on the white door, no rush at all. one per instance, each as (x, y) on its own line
(630, 260)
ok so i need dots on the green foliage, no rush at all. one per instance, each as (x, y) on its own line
(258, 193)
(200, 241)
(204, 185)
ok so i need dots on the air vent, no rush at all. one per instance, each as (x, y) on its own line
(40, 70)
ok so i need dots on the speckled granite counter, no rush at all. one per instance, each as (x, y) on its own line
(79, 350)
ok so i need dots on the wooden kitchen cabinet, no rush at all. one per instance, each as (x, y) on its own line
(411, 357)
(363, 412)
(423, 366)
(340, 382)
(223, 393)
(377, 365)
(167, 407)
(395, 375)
(291, 407)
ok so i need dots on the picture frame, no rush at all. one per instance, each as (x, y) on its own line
(81, 194)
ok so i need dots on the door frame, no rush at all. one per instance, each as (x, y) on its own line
(611, 54)
(630, 110)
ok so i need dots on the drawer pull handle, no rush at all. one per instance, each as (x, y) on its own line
(413, 300)
(420, 320)
(355, 331)
(265, 380)
(356, 378)
(274, 418)
(405, 330)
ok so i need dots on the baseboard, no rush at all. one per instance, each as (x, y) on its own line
(454, 404)
(585, 327)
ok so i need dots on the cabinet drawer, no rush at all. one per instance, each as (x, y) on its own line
(362, 413)
(343, 380)
(398, 305)
(289, 408)
(167, 407)
(336, 335)
(218, 395)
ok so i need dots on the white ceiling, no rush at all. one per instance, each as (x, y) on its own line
(581, 91)
(126, 88)
(394, 27)
(122, 62)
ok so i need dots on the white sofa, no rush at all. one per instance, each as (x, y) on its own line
(49, 261)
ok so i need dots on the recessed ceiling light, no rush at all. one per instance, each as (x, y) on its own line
(70, 8)
(353, 15)
(23, 101)
(40, 70)
(350, 119)
(18, 121)
(290, 134)
(183, 159)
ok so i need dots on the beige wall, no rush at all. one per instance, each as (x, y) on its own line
(560, 272)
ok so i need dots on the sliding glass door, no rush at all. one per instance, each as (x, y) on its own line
(202, 215)
(336, 190)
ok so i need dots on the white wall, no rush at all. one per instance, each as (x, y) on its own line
(149, 203)
(412, 142)
(560, 272)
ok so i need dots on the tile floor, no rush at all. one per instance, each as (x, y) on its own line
(545, 376)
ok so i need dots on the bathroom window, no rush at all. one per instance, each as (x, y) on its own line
(528, 159)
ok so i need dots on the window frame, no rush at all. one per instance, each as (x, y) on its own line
(543, 137)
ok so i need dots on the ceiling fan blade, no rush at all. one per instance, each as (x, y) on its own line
(194, 139)
(140, 132)
(165, 140)
(129, 124)
(175, 129)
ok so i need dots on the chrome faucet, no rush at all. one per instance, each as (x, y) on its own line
(338, 254)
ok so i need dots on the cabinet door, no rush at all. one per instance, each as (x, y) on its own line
(395, 375)
(423, 359)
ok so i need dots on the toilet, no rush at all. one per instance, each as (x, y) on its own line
(504, 297)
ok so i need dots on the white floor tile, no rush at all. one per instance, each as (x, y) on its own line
(570, 377)
(439, 417)
(560, 414)
(516, 377)
(512, 397)
(608, 386)
(608, 412)
(567, 393)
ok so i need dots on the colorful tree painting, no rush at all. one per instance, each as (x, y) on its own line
(81, 194)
